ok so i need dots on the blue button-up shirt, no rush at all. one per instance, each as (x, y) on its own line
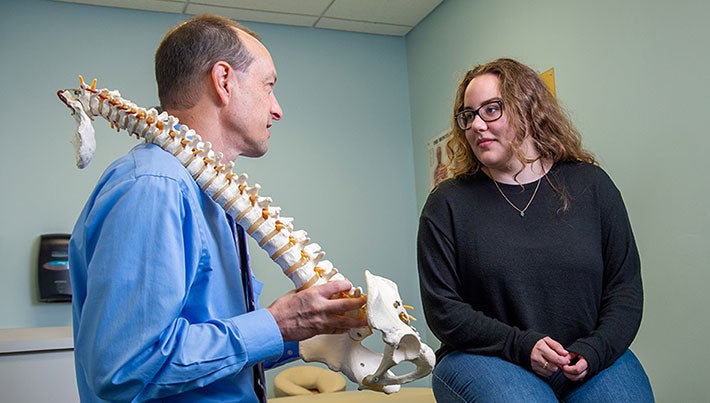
(158, 301)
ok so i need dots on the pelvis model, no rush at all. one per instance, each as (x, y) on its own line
(291, 249)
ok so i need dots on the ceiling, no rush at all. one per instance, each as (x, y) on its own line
(382, 17)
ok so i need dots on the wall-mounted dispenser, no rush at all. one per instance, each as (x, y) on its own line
(53, 268)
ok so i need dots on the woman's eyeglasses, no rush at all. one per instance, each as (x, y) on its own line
(489, 112)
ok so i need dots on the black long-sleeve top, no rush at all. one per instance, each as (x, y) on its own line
(494, 283)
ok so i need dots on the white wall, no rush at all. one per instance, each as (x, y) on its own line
(39, 377)
(37, 365)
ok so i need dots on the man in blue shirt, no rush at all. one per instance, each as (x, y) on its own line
(163, 301)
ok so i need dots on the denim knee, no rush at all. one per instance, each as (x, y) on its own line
(624, 381)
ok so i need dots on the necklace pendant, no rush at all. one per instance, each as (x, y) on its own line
(522, 212)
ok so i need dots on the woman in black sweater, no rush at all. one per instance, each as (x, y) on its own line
(529, 271)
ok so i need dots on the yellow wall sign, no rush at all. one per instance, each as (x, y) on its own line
(548, 77)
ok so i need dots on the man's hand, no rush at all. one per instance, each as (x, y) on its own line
(317, 310)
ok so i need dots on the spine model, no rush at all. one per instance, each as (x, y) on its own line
(299, 259)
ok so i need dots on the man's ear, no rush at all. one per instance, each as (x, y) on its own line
(220, 76)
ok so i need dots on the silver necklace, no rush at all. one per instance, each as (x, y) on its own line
(522, 212)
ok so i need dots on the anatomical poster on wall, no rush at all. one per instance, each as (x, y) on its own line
(438, 158)
(548, 77)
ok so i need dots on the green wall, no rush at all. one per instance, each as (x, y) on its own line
(634, 76)
(340, 161)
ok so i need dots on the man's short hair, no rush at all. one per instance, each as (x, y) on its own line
(189, 51)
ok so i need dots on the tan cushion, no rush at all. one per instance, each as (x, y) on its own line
(405, 395)
(307, 380)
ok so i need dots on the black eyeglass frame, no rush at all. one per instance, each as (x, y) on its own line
(460, 116)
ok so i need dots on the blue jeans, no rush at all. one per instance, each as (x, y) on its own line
(461, 377)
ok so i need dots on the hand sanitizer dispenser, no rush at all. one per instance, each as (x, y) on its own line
(53, 268)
